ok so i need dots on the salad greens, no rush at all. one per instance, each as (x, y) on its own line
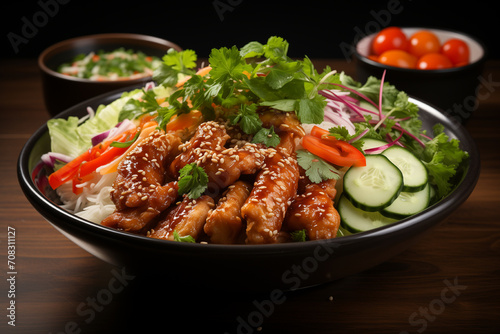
(71, 137)
(240, 81)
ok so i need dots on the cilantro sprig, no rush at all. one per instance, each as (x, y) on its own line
(193, 180)
(316, 169)
(186, 238)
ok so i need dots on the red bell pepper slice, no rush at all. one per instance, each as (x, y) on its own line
(103, 159)
(337, 152)
(100, 154)
(68, 171)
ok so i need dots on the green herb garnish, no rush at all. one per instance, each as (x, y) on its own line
(192, 180)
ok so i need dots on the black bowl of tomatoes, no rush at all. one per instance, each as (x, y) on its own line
(441, 67)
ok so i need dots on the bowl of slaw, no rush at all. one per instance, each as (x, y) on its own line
(67, 76)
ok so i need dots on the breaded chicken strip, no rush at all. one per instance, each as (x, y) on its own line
(139, 192)
(314, 211)
(223, 166)
(186, 219)
(224, 224)
(274, 188)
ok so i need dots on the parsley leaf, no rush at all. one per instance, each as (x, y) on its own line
(442, 158)
(180, 61)
(311, 111)
(135, 108)
(247, 119)
(186, 238)
(227, 64)
(299, 235)
(252, 49)
(316, 169)
(267, 137)
(192, 180)
(175, 64)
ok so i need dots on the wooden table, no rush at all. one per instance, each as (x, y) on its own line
(448, 282)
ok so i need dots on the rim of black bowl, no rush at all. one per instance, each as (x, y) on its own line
(438, 212)
(374, 63)
(109, 36)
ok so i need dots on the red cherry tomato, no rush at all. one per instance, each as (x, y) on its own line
(433, 61)
(388, 39)
(423, 42)
(457, 51)
(398, 58)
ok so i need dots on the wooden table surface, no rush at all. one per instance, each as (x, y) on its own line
(448, 282)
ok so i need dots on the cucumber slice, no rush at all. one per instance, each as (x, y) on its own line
(374, 186)
(414, 172)
(357, 220)
(372, 143)
(408, 203)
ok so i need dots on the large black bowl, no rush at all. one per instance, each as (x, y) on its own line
(243, 267)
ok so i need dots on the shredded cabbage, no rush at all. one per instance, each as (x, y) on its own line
(72, 139)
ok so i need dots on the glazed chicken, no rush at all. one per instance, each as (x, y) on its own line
(223, 166)
(255, 194)
(186, 219)
(139, 192)
(274, 188)
(224, 224)
(313, 211)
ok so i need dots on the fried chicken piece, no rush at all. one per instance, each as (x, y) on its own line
(314, 211)
(223, 166)
(224, 224)
(208, 137)
(187, 218)
(283, 121)
(139, 192)
(274, 188)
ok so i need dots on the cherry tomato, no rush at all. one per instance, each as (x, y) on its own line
(457, 51)
(423, 42)
(388, 39)
(433, 61)
(398, 58)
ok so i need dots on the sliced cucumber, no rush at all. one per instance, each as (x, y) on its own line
(374, 186)
(414, 172)
(357, 220)
(369, 143)
(408, 203)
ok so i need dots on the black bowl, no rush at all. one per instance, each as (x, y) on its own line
(453, 90)
(62, 91)
(242, 267)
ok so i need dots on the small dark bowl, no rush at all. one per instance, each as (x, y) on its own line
(63, 91)
(242, 267)
(453, 90)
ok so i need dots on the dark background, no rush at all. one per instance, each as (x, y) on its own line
(313, 28)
